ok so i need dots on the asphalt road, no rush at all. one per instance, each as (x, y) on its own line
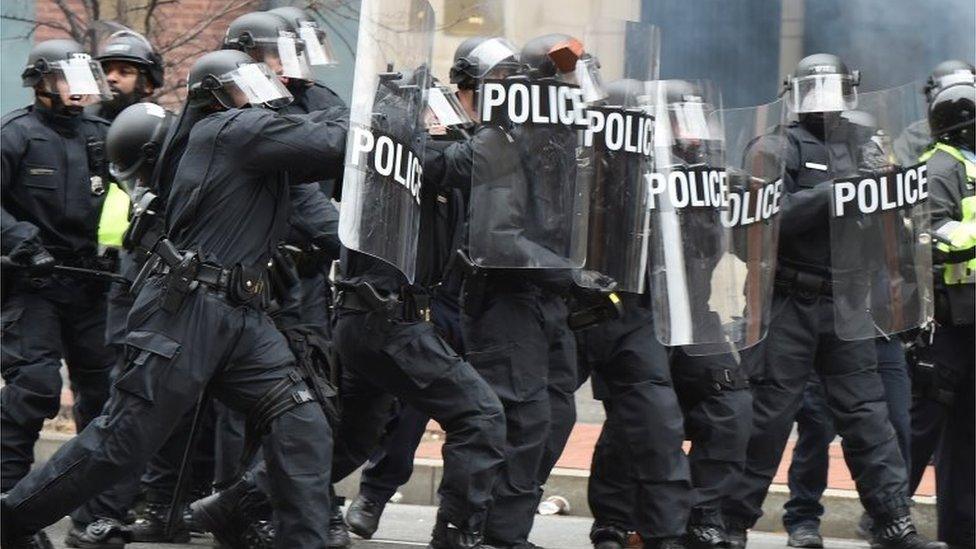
(408, 526)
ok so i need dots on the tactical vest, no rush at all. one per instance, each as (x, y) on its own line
(114, 219)
(958, 238)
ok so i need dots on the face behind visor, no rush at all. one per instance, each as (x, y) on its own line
(59, 70)
(235, 80)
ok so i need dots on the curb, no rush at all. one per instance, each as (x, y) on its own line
(842, 507)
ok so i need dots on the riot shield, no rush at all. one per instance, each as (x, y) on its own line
(696, 299)
(528, 205)
(380, 211)
(617, 152)
(755, 144)
(880, 242)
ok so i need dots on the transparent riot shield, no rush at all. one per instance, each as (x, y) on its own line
(528, 205)
(755, 144)
(380, 212)
(617, 152)
(880, 242)
(696, 296)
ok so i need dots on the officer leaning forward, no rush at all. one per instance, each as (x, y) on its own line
(54, 177)
(942, 414)
(198, 321)
(805, 331)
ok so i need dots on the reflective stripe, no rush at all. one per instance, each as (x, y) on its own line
(114, 219)
(953, 152)
(960, 273)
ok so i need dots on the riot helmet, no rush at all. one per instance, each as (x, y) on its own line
(562, 57)
(946, 74)
(688, 121)
(131, 47)
(625, 92)
(822, 83)
(480, 57)
(318, 47)
(62, 71)
(268, 38)
(952, 115)
(229, 79)
(134, 142)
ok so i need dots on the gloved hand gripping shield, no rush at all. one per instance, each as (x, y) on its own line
(696, 287)
(619, 143)
(528, 199)
(880, 238)
(380, 212)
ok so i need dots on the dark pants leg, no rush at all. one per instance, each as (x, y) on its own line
(717, 406)
(173, 357)
(40, 327)
(507, 345)
(611, 494)
(410, 361)
(563, 380)
(893, 370)
(809, 466)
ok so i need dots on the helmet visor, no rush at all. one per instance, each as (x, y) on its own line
(484, 58)
(444, 109)
(824, 93)
(690, 120)
(590, 80)
(79, 78)
(256, 85)
(285, 56)
(318, 47)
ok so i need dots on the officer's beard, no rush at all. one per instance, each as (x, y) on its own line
(119, 101)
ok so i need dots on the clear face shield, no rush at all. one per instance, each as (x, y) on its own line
(318, 47)
(824, 93)
(285, 56)
(444, 109)
(78, 81)
(252, 84)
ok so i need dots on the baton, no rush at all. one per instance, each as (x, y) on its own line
(78, 272)
(176, 504)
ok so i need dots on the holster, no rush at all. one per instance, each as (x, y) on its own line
(282, 275)
(475, 281)
(179, 281)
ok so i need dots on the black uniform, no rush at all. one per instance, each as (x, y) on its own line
(514, 327)
(642, 436)
(943, 409)
(52, 177)
(801, 339)
(228, 203)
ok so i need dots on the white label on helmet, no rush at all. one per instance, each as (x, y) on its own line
(815, 166)
(113, 48)
(155, 110)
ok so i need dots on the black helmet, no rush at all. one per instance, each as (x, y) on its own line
(269, 37)
(44, 55)
(231, 77)
(134, 141)
(318, 47)
(132, 47)
(822, 83)
(625, 92)
(550, 55)
(938, 79)
(477, 57)
(294, 16)
(953, 113)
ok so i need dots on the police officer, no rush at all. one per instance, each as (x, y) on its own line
(133, 69)
(943, 408)
(198, 320)
(916, 138)
(54, 177)
(392, 465)
(802, 336)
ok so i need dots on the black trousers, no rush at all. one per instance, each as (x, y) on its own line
(801, 340)
(640, 478)
(520, 344)
(718, 421)
(42, 323)
(240, 356)
(948, 433)
(408, 360)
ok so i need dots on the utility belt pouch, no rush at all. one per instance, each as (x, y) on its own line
(609, 307)
(245, 284)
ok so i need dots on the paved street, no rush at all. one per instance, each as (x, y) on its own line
(408, 526)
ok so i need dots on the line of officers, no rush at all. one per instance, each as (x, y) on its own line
(227, 332)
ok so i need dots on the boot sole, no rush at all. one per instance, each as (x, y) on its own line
(211, 524)
(361, 532)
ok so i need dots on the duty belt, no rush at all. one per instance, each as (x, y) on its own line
(363, 297)
(791, 279)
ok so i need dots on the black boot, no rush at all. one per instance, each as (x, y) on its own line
(899, 533)
(101, 534)
(236, 513)
(363, 516)
(338, 532)
(706, 536)
(737, 535)
(806, 536)
(447, 536)
(150, 526)
(35, 541)
(608, 537)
